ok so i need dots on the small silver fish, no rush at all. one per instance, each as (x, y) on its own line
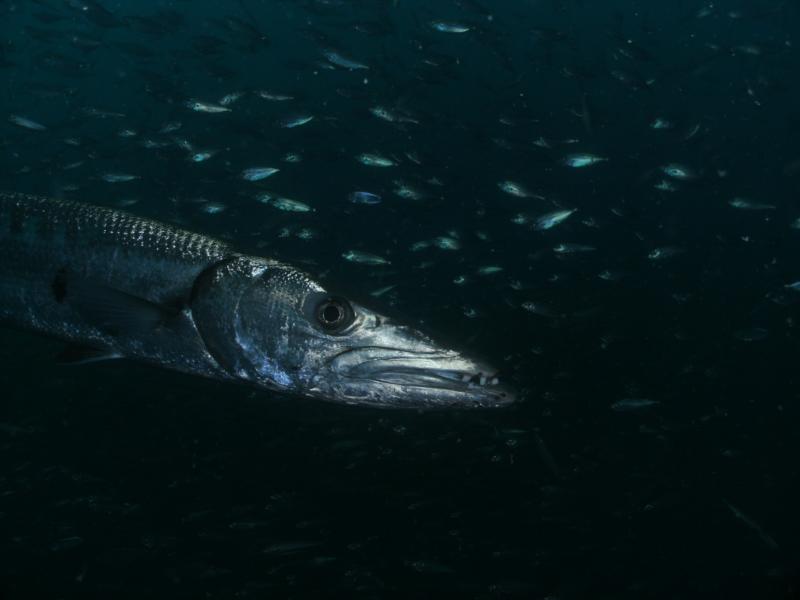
(661, 123)
(202, 156)
(677, 171)
(212, 208)
(306, 233)
(449, 27)
(406, 191)
(391, 116)
(570, 248)
(537, 308)
(170, 127)
(118, 177)
(365, 258)
(26, 123)
(289, 205)
(578, 161)
(447, 243)
(375, 160)
(364, 198)
(274, 97)
(610, 275)
(258, 173)
(521, 219)
(489, 270)
(420, 245)
(634, 404)
(664, 252)
(295, 121)
(551, 219)
(229, 99)
(745, 204)
(204, 107)
(336, 58)
(153, 144)
(542, 143)
(513, 188)
(381, 291)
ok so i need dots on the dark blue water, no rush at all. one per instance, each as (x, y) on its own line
(654, 451)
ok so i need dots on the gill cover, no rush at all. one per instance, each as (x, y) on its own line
(249, 312)
(217, 295)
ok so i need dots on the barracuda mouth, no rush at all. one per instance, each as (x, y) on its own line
(441, 378)
(405, 378)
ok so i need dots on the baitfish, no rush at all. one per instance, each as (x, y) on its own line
(340, 60)
(114, 285)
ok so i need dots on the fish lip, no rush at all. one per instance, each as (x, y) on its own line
(444, 379)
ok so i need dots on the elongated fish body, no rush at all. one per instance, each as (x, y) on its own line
(114, 285)
(48, 245)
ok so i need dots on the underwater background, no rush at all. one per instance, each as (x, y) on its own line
(600, 197)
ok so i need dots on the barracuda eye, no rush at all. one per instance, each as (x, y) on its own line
(334, 314)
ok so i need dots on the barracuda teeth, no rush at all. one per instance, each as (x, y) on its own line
(472, 379)
(477, 379)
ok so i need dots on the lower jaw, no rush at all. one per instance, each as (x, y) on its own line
(394, 395)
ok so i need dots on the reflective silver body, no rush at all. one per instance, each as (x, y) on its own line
(193, 304)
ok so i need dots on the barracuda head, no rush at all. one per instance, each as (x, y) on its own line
(272, 325)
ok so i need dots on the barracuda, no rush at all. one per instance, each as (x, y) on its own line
(118, 286)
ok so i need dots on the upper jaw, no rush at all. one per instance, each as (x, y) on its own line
(403, 378)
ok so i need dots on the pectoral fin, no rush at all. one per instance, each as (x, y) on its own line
(75, 354)
(114, 311)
